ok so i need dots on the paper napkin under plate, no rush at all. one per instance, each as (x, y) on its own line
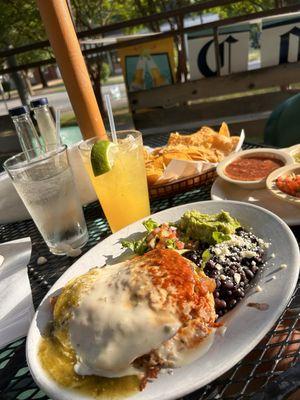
(16, 306)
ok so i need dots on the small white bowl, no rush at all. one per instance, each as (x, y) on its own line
(293, 151)
(286, 158)
(271, 183)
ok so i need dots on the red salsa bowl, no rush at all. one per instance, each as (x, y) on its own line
(250, 168)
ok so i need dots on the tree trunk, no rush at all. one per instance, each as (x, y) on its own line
(96, 82)
(28, 83)
(19, 82)
(42, 77)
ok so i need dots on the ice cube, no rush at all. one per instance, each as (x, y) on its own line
(129, 143)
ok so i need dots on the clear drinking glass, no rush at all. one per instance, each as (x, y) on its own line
(122, 191)
(46, 186)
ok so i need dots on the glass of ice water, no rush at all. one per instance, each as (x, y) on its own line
(46, 186)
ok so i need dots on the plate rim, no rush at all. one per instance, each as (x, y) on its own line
(221, 370)
(219, 180)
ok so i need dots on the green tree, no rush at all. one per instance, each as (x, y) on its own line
(89, 14)
(245, 7)
(20, 24)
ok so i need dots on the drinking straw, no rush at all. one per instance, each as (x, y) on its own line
(111, 118)
(62, 36)
(57, 124)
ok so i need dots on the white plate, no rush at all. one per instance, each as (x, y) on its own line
(245, 326)
(222, 190)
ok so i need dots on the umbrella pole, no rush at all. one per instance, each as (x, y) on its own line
(63, 39)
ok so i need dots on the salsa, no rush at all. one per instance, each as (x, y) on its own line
(289, 184)
(252, 168)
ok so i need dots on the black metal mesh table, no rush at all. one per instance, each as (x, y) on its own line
(262, 374)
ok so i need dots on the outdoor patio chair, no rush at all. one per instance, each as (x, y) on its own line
(283, 126)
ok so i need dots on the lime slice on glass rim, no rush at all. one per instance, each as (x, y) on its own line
(102, 157)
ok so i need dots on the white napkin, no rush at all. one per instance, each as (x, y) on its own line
(84, 186)
(12, 208)
(179, 169)
(16, 306)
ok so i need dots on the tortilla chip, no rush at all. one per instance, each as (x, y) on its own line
(234, 142)
(146, 154)
(153, 176)
(203, 145)
(224, 130)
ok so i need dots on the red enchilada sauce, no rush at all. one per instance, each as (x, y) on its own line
(252, 168)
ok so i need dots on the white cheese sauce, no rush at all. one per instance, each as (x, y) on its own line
(119, 320)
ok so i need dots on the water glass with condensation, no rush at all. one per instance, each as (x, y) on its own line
(46, 186)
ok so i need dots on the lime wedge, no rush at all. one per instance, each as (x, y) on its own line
(101, 157)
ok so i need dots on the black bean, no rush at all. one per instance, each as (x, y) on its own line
(220, 303)
(214, 274)
(254, 268)
(232, 303)
(228, 293)
(229, 284)
(229, 272)
(249, 273)
(210, 264)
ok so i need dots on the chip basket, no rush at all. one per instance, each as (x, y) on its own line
(182, 185)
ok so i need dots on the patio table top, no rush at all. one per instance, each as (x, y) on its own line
(254, 377)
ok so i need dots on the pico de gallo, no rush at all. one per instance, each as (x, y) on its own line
(289, 184)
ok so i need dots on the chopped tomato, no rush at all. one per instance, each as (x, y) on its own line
(164, 237)
(289, 184)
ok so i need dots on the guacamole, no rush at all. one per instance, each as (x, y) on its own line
(197, 226)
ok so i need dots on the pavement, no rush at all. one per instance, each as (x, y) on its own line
(60, 99)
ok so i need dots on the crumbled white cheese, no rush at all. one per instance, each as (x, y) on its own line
(218, 251)
(41, 260)
(262, 243)
(258, 289)
(283, 266)
(237, 278)
(248, 254)
(249, 249)
(223, 277)
(273, 255)
(218, 267)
